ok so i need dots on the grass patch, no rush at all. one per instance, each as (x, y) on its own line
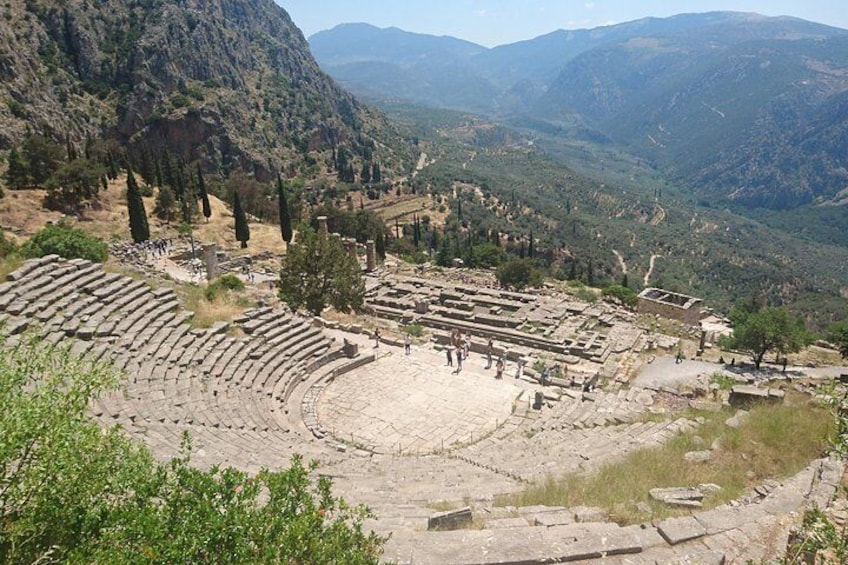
(774, 442)
(723, 380)
(414, 330)
(223, 307)
(9, 264)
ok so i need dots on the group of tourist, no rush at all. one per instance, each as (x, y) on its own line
(157, 247)
(459, 348)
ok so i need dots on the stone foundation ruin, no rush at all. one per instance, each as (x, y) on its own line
(673, 305)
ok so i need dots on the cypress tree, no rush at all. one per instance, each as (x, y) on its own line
(415, 233)
(242, 228)
(365, 174)
(531, 251)
(204, 197)
(139, 229)
(70, 149)
(376, 174)
(285, 215)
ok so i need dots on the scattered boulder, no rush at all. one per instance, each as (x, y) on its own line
(450, 520)
(697, 456)
(678, 496)
(737, 419)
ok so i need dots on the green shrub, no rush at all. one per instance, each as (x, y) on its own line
(7, 246)
(67, 242)
(223, 284)
(622, 294)
(415, 330)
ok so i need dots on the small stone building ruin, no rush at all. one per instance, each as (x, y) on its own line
(667, 304)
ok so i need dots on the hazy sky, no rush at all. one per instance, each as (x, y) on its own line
(496, 22)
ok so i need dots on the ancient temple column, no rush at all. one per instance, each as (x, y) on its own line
(370, 255)
(210, 260)
(322, 225)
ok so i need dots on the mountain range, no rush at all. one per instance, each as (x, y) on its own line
(743, 109)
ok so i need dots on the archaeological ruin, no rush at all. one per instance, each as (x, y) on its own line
(403, 433)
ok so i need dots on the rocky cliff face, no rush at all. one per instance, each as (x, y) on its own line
(229, 82)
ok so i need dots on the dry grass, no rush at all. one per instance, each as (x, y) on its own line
(224, 308)
(774, 442)
(24, 211)
(9, 264)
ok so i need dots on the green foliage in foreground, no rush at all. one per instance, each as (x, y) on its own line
(72, 492)
(67, 242)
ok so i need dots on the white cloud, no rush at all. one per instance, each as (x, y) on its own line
(589, 5)
(480, 13)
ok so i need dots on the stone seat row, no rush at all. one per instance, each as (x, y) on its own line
(556, 451)
(177, 376)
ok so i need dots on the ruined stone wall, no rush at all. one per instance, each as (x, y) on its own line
(686, 309)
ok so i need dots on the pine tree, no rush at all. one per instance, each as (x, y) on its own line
(204, 197)
(139, 229)
(242, 228)
(285, 215)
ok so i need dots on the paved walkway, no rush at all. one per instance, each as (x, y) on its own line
(416, 403)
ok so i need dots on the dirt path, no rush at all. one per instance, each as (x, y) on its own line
(659, 215)
(621, 262)
(654, 257)
(422, 162)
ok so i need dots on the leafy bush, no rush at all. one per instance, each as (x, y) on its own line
(519, 273)
(7, 246)
(67, 242)
(622, 294)
(222, 284)
(415, 330)
(74, 493)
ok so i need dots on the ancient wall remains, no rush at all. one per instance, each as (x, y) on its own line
(667, 304)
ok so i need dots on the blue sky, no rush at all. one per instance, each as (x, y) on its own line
(496, 22)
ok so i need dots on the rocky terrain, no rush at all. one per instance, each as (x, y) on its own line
(230, 83)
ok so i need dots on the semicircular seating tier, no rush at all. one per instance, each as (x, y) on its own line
(226, 385)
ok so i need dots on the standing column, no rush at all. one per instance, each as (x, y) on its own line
(210, 259)
(322, 226)
(370, 255)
